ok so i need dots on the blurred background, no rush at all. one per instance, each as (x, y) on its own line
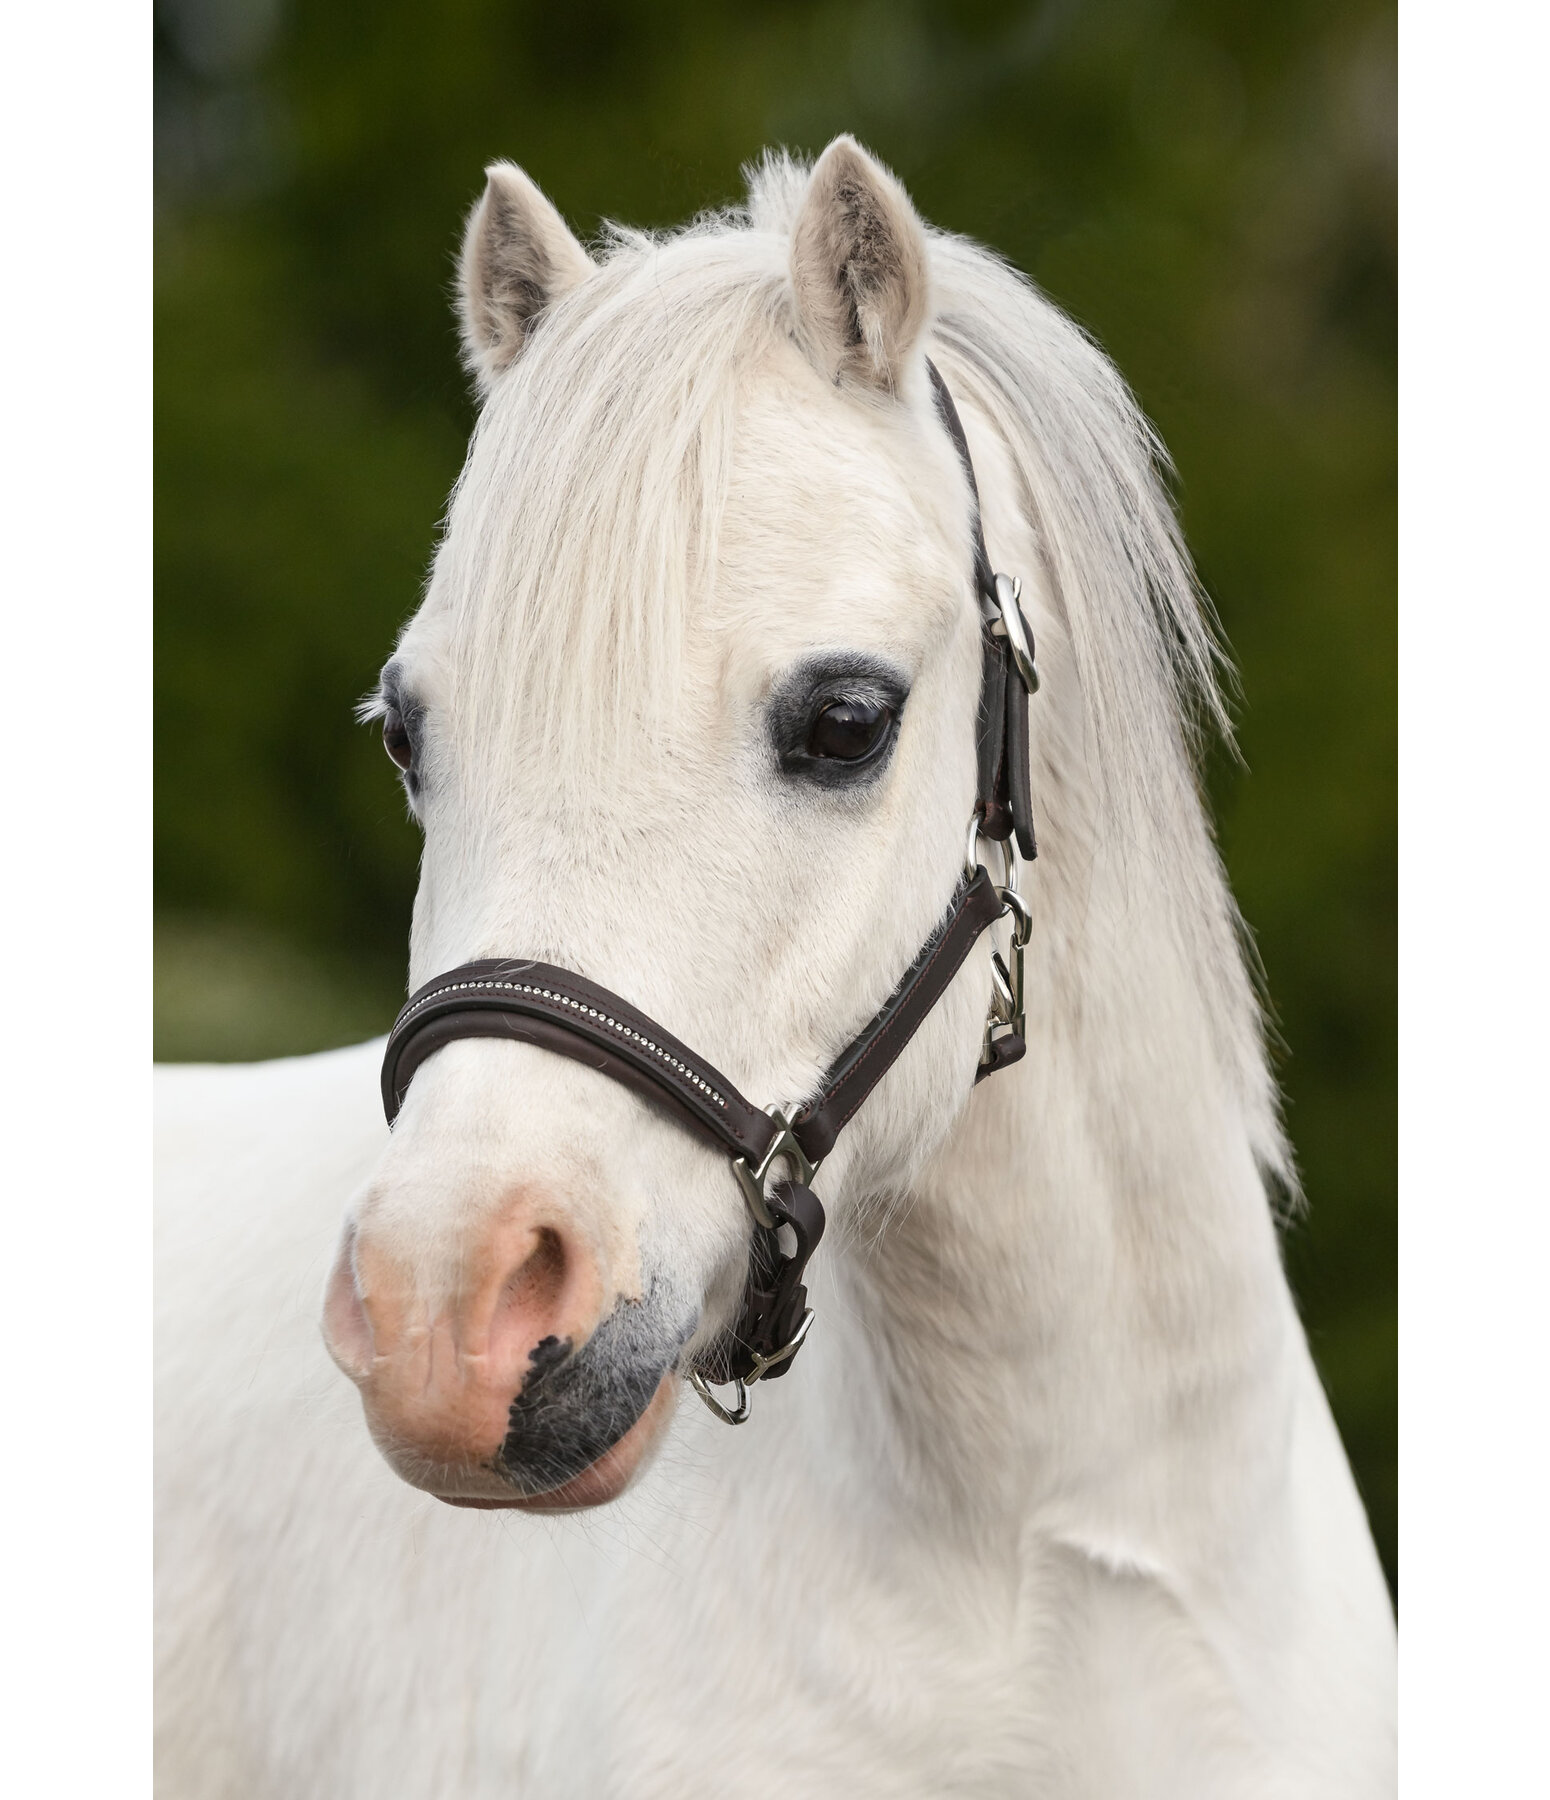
(1207, 185)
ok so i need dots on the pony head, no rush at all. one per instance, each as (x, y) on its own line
(689, 708)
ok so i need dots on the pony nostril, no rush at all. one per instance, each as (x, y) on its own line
(538, 1281)
(533, 1317)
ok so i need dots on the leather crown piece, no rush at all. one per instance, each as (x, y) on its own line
(559, 1010)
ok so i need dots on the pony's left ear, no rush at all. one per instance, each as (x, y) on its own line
(859, 268)
(519, 256)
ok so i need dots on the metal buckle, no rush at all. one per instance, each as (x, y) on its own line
(763, 1364)
(1007, 1012)
(755, 1180)
(741, 1383)
(1010, 624)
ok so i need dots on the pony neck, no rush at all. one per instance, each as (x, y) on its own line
(1080, 1310)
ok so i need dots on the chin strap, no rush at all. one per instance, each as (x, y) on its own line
(775, 1154)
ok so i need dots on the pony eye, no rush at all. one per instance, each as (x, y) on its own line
(848, 730)
(395, 738)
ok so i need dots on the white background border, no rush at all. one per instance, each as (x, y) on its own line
(1474, 919)
(75, 104)
(75, 901)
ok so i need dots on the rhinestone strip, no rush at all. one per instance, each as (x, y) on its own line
(586, 1012)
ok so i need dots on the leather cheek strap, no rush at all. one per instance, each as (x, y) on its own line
(1018, 786)
(1004, 805)
(995, 818)
(869, 1056)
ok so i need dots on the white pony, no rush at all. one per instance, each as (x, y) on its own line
(1052, 1503)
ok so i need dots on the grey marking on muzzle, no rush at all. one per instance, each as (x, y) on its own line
(575, 1406)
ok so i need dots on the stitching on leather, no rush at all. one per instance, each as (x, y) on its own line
(589, 1012)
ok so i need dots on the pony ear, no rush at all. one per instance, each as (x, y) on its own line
(518, 256)
(859, 268)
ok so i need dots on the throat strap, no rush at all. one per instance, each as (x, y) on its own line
(870, 1055)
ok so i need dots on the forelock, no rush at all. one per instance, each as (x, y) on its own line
(582, 535)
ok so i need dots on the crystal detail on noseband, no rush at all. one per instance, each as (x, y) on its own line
(590, 1012)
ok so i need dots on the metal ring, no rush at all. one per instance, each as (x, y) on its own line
(742, 1383)
(1013, 902)
(971, 849)
(728, 1417)
(1011, 862)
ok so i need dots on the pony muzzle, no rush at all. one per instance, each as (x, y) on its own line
(468, 1393)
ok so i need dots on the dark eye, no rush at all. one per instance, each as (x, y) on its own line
(395, 738)
(834, 718)
(848, 730)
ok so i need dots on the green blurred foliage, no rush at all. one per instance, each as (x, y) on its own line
(1208, 185)
(229, 991)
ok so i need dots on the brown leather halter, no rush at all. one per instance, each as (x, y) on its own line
(536, 1003)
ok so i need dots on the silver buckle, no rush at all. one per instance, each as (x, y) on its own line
(1010, 624)
(754, 1181)
(1006, 997)
(742, 1383)
(1007, 1012)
